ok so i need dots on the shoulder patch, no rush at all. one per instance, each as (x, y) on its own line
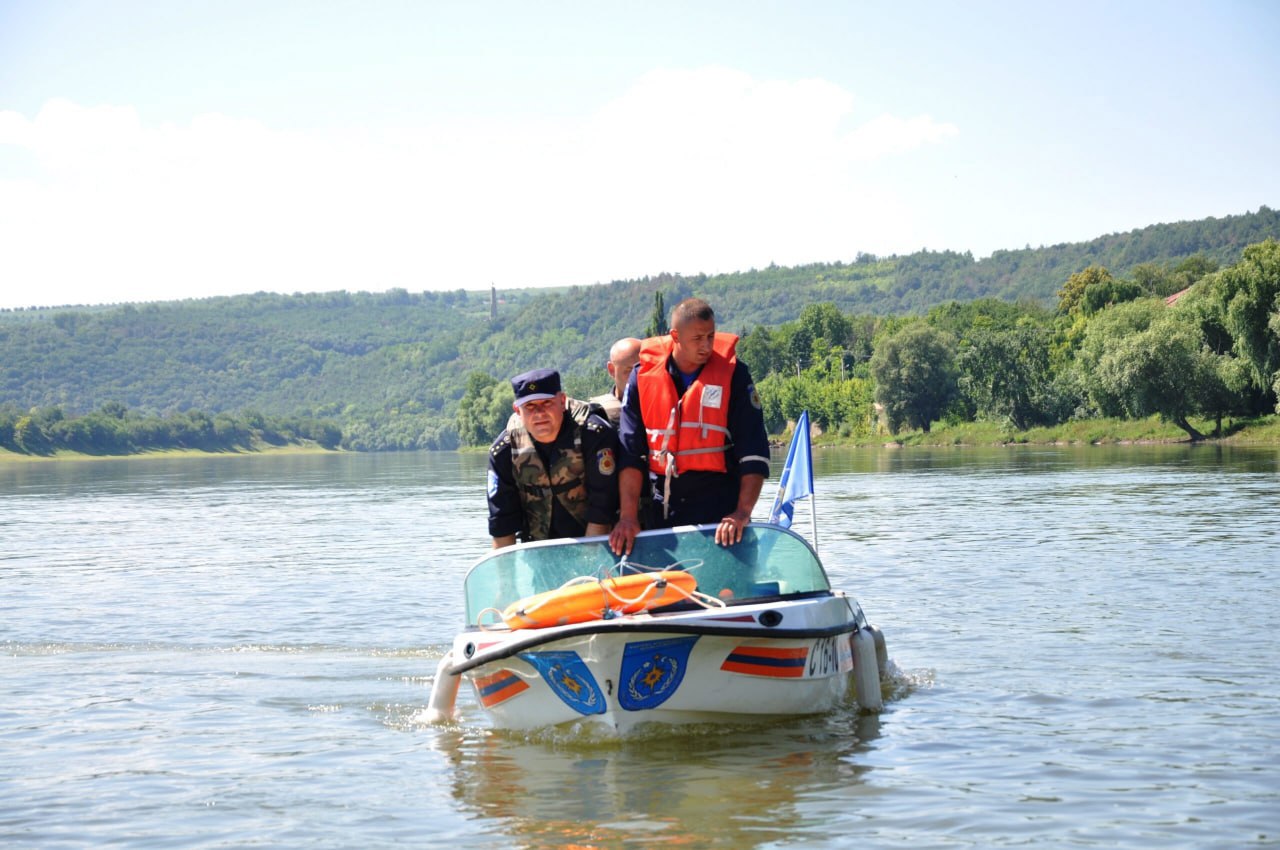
(605, 462)
(492, 485)
(754, 396)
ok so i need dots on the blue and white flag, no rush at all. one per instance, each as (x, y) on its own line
(797, 475)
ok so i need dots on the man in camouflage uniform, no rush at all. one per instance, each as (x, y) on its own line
(554, 474)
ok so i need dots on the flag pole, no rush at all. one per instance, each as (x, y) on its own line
(813, 520)
(813, 496)
(796, 482)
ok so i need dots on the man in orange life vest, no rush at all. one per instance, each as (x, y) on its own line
(692, 425)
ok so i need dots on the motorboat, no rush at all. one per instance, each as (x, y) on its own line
(681, 631)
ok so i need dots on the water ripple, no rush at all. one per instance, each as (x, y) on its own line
(215, 654)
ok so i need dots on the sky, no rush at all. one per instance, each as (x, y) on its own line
(157, 150)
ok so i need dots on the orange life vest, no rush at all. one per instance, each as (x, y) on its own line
(686, 432)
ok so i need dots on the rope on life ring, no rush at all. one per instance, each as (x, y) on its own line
(684, 565)
(587, 598)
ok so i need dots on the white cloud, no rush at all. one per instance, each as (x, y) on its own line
(689, 170)
(887, 135)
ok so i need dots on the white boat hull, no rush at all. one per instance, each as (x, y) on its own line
(780, 659)
(757, 633)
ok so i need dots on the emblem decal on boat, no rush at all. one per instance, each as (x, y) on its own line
(568, 677)
(499, 687)
(772, 661)
(652, 671)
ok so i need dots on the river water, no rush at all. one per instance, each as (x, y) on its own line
(237, 651)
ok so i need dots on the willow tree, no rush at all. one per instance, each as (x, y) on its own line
(1144, 358)
(1249, 294)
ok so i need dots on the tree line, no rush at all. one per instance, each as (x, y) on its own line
(1182, 340)
(115, 430)
(401, 370)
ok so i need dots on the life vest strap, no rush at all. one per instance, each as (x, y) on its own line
(704, 427)
(702, 451)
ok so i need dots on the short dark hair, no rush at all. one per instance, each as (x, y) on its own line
(692, 308)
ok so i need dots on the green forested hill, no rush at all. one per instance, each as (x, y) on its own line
(390, 368)
(1038, 273)
(332, 354)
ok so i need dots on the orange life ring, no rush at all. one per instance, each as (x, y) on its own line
(598, 599)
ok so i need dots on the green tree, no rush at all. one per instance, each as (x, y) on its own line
(772, 391)
(1249, 295)
(1275, 330)
(1164, 370)
(1099, 296)
(1190, 270)
(1236, 395)
(760, 350)
(1071, 295)
(915, 374)
(29, 437)
(798, 346)
(194, 429)
(484, 409)
(1006, 375)
(825, 324)
(1229, 394)
(1142, 358)
(1161, 280)
(658, 318)
(1101, 333)
(113, 410)
(1154, 279)
(8, 418)
(1203, 306)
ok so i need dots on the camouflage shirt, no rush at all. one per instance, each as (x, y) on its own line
(541, 491)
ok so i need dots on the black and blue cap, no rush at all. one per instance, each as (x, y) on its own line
(535, 384)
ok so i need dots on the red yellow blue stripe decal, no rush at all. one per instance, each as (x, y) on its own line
(499, 687)
(776, 662)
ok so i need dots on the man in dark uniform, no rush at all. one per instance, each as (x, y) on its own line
(692, 430)
(623, 357)
(554, 474)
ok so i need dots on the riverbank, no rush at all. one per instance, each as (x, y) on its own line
(7, 456)
(1263, 430)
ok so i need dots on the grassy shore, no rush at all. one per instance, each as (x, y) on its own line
(1264, 430)
(7, 456)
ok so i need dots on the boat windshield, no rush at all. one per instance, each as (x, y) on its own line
(769, 562)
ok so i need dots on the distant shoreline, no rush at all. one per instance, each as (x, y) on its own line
(1263, 431)
(7, 456)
